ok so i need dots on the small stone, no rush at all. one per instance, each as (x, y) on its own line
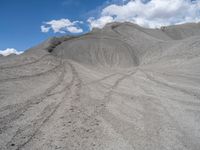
(87, 130)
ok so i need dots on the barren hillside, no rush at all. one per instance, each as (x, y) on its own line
(122, 87)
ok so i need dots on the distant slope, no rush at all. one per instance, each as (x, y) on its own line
(126, 44)
(179, 32)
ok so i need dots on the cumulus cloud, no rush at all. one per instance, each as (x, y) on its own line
(99, 23)
(45, 29)
(150, 13)
(62, 26)
(10, 51)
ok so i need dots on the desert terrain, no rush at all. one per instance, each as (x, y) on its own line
(123, 87)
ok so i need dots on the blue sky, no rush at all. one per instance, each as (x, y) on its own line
(21, 19)
(25, 23)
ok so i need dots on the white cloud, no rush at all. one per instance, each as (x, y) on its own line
(74, 30)
(45, 29)
(62, 26)
(10, 51)
(100, 23)
(153, 13)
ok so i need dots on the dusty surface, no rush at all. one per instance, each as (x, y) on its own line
(120, 88)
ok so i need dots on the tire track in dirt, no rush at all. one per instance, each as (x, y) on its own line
(67, 91)
(91, 129)
(35, 97)
(115, 85)
(173, 123)
(25, 64)
(25, 77)
(101, 110)
(99, 80)
(148, 135)
(107, 96)
(81, 128)
(191, 93)
(25, 134)
(22, 108)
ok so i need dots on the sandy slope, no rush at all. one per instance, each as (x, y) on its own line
(120, 88)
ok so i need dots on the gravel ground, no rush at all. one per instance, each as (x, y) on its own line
(123, 87)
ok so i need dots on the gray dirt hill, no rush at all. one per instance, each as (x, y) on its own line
(123, 87)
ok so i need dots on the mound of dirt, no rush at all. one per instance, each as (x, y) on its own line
(123, 87)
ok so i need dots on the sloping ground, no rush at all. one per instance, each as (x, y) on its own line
(120, 88)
